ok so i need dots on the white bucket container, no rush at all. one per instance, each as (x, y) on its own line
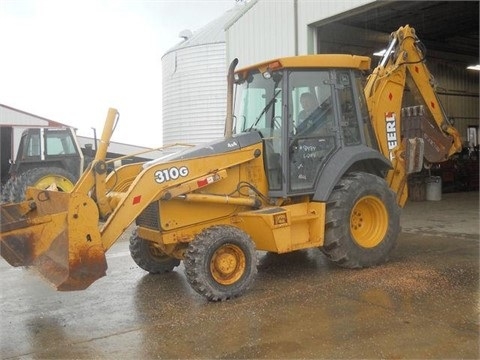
(434, 188)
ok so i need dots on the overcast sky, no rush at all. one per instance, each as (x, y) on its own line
(70, 60)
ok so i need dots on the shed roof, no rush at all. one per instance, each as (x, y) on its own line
(10, 116)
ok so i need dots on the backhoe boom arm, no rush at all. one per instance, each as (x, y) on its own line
(403, 66)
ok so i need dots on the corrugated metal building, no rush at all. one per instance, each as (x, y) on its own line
(194, 85)
(266, 30)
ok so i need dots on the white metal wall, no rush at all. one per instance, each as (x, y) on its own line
(270, 29)
(264, 31)
(314, 11)
(194, 94)
(13, 117)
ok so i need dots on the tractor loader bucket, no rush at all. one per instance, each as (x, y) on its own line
(56, 234)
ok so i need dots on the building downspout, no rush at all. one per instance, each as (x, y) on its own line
(295, 26)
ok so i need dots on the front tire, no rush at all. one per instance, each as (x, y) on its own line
(362, 221)
(148, 257)
(221, 263)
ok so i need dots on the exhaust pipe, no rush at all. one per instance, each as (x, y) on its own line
(229, 118)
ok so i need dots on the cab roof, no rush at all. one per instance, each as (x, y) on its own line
(313, 61)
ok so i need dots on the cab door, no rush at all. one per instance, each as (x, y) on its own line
(313, 131)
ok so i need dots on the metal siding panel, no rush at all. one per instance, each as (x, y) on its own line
(276, 24)
(265, 31)
(310, 11)
(17, 118)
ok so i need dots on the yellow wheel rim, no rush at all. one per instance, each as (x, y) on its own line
(369, 221)
(54, 182)
(227, 264)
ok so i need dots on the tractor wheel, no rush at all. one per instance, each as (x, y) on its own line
(7, 189)
(40, 178)
(221, 263)
(149, 257)
(362, 221)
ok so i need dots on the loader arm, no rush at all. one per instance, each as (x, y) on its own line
(167, 181)
(64, 236)
(403, 67)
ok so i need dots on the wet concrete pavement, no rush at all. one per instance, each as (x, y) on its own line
(423, 304)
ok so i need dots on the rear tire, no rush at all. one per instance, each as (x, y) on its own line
(221, 263)
(40, 178)
(149, 257)
(362, 221)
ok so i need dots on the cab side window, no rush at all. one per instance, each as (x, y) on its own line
(32, 146)
(59, 143)
(348, 118)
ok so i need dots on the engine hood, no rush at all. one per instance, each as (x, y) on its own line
(215, 147)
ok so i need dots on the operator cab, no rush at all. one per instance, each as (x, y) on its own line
(304, 116)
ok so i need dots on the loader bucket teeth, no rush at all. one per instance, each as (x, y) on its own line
(55, 234)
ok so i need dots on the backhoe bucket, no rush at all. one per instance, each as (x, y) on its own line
(56, 234)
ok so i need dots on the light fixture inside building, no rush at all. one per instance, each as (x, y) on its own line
(380, 53)
(474, 67)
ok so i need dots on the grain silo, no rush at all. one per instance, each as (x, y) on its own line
(194, 85)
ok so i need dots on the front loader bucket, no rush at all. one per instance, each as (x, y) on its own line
(56, 234)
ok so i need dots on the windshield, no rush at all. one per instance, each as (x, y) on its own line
(258, 104)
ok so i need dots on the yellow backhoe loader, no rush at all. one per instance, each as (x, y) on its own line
(279, 181)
